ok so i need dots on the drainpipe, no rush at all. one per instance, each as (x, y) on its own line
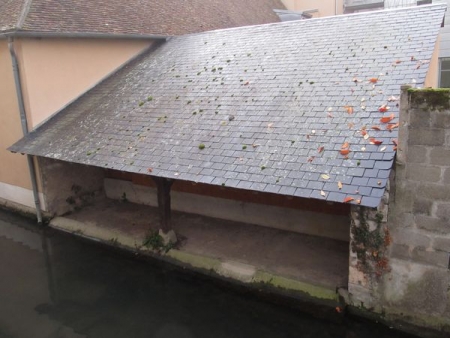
(24, 123)
(335, 7)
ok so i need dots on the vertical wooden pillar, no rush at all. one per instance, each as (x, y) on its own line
(163, 186)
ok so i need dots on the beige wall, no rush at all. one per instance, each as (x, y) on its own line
(56, 71)
(324, 7)
(13, 168)
(432, 78)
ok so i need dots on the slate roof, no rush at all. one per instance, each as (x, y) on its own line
(262, 100)
(156, 17)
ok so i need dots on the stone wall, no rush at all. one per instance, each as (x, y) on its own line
(414, 285)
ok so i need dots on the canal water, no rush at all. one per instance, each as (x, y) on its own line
(55, 285)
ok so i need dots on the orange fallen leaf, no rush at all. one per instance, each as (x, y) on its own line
(397, 62)
(376, 128)
(345, 145)
(387, 119)
(348, 199)
(349, 109)
(345, 152)
(363, 132)
(373, 80)
(339, 185)
(375, 141)
(391, 126)
(320, 149)
(150, 170)
(311, 158)
(384, 108)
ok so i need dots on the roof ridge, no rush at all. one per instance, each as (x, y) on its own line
(331, 17)
(24, 13)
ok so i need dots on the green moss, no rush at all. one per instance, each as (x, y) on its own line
(434, 98)
(201, 146)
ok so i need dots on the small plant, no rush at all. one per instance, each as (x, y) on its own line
(150, 98)
(244, 147)
(155, 242)
(263, 167)
(141, 103)
(201, 146)
(124, 198)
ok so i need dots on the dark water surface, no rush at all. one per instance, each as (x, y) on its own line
(55, 285)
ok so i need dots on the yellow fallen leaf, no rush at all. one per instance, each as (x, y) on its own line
(383, 149)
(340, 185)
(323, 193)
(325, 176)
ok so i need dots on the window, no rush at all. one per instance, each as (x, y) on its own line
(444, 72)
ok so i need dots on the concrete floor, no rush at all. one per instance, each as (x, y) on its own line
(314, 260)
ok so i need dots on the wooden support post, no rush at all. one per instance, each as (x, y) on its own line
(163, 186)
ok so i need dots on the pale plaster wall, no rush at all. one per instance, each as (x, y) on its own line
(54, 72)
(301, 221)
(432, 79)
(324, 7)
(13, 168)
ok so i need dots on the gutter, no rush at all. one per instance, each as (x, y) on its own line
(24, 123)
(34, 34)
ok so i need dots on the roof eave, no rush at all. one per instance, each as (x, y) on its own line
(80, 35)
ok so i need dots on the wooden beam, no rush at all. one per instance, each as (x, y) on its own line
(163, 186)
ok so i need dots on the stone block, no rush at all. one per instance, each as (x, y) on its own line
(443, 211)
(402, 221)
(440, 156)
(420, 118)
(440, 119)
(360, 296)
(410, 237)
(426, 137)
(446, 177)
(400, 251)
(432, 224)
(441, 244)
(430, 257)
(417, 154)
(434, 191)
(422, 206)
(423, 173)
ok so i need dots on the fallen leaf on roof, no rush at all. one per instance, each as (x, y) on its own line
(323, 193)
(387, 119)
(376, 128)
(320, 149)
(384, 108)
(375, 141)
(345, 152)
(355, 80)
(351, 125)
(349, 109)
(345, 145)
(397, 62)
(366, 136)
(325, 176)
(150, 170)
(254, 145)
(358, 201)
(330, 115)
(373, 80)
(311, 158)
(391, 126)
(339, 185)
(392, 98)
(246, 83)
(395, 141)
(348, 199)
(383, 148)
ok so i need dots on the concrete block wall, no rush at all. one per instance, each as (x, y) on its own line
(415, 286)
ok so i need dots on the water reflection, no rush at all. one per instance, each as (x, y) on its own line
(52, 285)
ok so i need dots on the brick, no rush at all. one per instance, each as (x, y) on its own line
(435, 258)
(416, 154)
(423, 173)
(427, 137)
(433, 224)
(440, 156)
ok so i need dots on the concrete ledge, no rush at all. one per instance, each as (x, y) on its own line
(230, 270)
